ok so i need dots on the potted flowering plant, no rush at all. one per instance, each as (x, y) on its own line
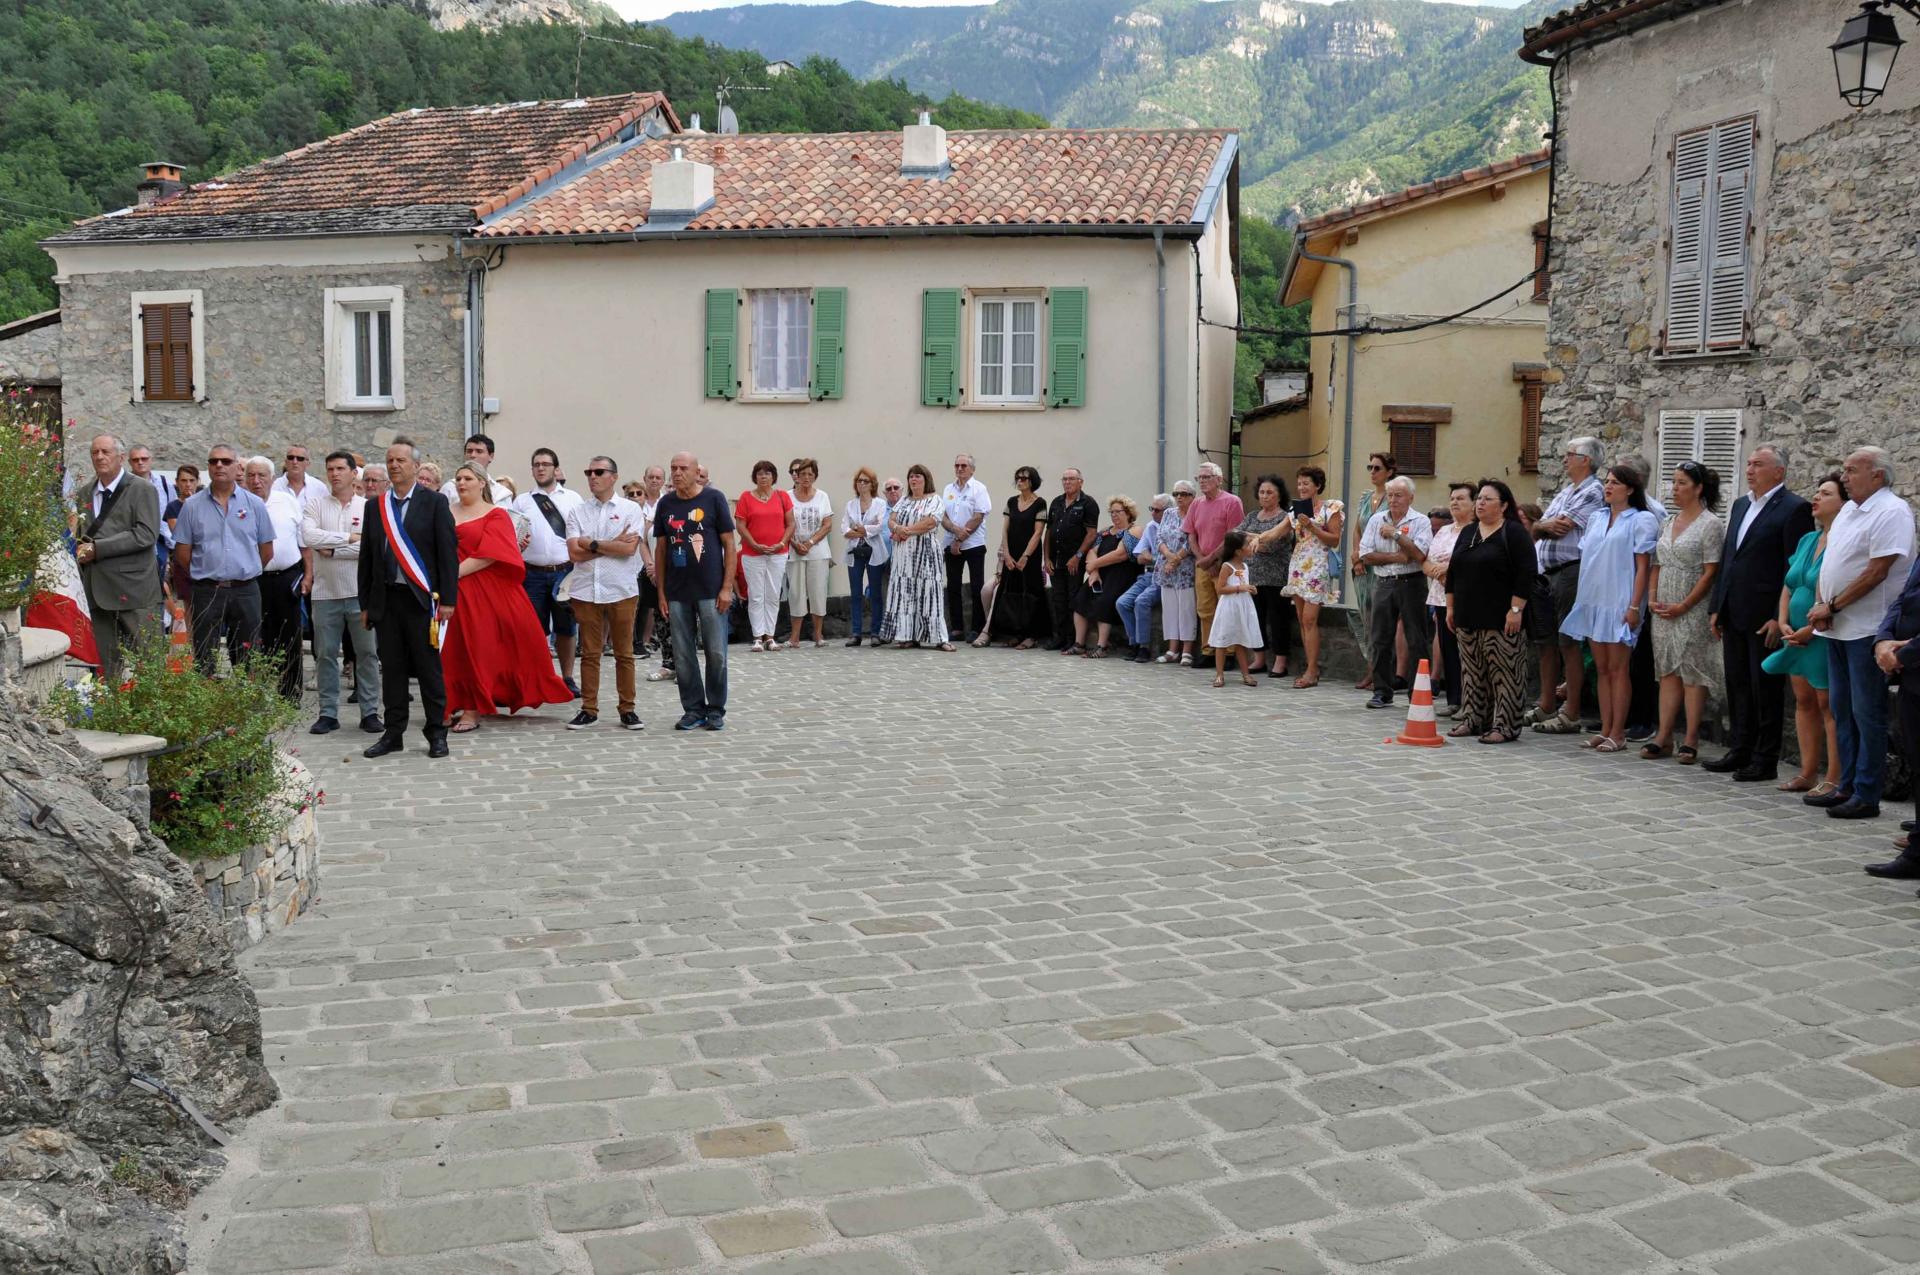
(31, 519)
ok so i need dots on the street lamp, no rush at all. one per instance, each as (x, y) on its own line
(1863, 55)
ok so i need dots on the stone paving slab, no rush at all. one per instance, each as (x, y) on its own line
(994, 962)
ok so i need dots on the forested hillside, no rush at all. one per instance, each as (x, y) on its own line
(90, 89)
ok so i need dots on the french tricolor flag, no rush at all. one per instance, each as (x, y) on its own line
(62, 604)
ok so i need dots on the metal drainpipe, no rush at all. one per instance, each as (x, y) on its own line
(1160, 270)
(476, 328)
(1352, 308)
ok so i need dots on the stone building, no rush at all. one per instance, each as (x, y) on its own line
(30, 357)
(322, 297)
(1734, 249)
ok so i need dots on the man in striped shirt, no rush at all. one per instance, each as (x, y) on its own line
(1557, 543)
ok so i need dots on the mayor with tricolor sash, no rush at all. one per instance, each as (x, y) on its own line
(409, 570)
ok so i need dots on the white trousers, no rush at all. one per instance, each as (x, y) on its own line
(765, 574)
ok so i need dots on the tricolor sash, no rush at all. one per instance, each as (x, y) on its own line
(412, 565)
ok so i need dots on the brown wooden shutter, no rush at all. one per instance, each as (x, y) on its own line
(166, 339)
(1414, 445)
(1542, 271)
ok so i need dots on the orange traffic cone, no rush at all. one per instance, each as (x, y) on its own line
(179, 655)
(1421, 731)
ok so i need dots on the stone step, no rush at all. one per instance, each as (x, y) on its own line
(43, 658)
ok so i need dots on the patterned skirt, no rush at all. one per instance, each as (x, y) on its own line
(916, 594)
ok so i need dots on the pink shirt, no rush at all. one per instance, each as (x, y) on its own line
(1208, 521)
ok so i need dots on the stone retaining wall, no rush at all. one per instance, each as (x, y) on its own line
(267, 887)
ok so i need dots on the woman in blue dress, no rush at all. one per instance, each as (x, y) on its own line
(1615, 555)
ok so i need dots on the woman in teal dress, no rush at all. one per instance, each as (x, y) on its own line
(1803, 659)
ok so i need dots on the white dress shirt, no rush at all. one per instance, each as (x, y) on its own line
(962, 504)
(544, 549)
(332, 524)
(874, 520)
(288, 519)
(604, 579)
(1880, 527)
(1415, 526)
(1754, 505)
(309, 492)
(102, 490)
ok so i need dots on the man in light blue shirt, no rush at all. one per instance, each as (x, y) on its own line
(224, 537)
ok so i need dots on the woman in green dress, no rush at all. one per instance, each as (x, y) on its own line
(1802, 658)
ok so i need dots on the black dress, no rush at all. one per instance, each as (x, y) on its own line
(1020, 609)
(1115, 579)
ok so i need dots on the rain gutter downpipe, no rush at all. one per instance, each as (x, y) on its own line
(1160, 269)
(1352, 311)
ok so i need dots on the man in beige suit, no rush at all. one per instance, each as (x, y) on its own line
(119, 525)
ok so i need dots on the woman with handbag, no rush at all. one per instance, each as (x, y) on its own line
(863, 524)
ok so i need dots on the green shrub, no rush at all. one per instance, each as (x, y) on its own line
(29, 493)
(220, 786)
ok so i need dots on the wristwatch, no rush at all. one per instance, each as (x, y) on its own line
(1515, 610)
(593, 546)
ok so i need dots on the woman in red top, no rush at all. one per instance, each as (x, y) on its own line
(764, 519)
(493, 653)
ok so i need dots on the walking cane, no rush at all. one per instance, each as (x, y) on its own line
(986, 626)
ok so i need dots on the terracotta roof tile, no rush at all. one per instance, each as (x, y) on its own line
(1425, 191)
(1040, 177)
(477, 157)
(1601, 19)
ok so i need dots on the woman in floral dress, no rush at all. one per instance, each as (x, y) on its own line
(916, 592)
(1686, 656)
(1310, 581)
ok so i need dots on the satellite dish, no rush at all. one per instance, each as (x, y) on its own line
(729, 122)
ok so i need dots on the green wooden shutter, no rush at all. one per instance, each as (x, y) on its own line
(829, 343)
(1067, 347)
(940, 347)
(723, 338)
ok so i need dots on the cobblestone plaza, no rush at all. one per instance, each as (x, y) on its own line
(996, 962)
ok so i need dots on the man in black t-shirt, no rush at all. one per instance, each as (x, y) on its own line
(694, 558)
(1073, 520)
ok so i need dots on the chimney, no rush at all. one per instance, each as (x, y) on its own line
(682, 188)
(693, 125)
(159, 180)
(923, 149)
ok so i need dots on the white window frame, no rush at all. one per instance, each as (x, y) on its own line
(977, 303)
(197, 318)
(1697, 421)
(751, 390)
(341, 305)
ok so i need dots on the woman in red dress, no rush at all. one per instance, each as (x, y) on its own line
(493, 653)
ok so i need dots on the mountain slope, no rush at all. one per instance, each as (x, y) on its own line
(1337, 102)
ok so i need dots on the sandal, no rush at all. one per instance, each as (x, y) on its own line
(1027, 645)
(1607, 745)
(1306, 680)
(1186, 661)
(1461, 731)
(947, 646)
(1075, 649)
(1798, 783)
(759, 644)
(1560, 725)
(1689, 755)
(983, 640)
(1097, 653)
(1248, 680)
(465, 728)
(1219, 681)
(1821, 789)
(1654, 752)
(1500, 737)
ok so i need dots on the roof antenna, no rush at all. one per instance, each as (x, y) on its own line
(729, 122)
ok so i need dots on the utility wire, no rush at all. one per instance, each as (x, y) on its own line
(1375, 329)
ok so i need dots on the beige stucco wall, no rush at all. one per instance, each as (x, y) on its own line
(1428, 261)
(1631, 94)
(598, 348)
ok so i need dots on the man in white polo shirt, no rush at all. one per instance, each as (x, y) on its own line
(545, 506)
(1869, 548)
(603, 535)
(965, 521)
(330, 530)
(285, 580)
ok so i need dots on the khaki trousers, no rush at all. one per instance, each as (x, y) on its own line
(602, 623)
(1206, 599)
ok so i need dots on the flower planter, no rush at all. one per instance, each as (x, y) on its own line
(266, 887)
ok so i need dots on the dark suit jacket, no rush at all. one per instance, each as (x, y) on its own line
(1746, 593)
(1902, 624)
(121, 576)
(429, 521)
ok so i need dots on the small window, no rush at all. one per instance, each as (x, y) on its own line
(365, 338)
(168, 347)
(782, 353)
(1413, 446)
(1006, 333)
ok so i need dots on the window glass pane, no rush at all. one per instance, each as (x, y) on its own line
(766, 341)
(797, 345)
(383, 348)
(1025, 315)
(993, 341)
(362, 354)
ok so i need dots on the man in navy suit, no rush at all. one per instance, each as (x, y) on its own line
(1896, 649)
(1763, 529)
(398, 610)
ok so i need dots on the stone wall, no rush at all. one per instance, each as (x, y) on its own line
(265, 363)
(266, 888)
(1836, 328)
(31, 358)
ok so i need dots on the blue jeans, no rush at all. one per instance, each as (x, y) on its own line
(1136, 609)
(869, 584)
(330, 616)
(1857, 693)
(698, 627)
(556, 617)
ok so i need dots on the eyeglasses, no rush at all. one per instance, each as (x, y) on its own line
(893, 486)
(1376, 469)
(301, 459)
(596, 473)
(221, 460)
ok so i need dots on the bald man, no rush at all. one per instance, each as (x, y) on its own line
(695, 556)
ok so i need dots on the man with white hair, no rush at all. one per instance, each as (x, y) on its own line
(1393, 546)
(1869, 548)
(1558, 547)
(1208, 520)
(119, 526)
(288, 577)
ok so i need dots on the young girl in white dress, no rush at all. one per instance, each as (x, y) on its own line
(1236, 625)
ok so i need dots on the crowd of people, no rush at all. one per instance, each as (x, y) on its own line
(1679, 609)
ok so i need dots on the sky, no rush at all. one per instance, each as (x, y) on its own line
(652, 10)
